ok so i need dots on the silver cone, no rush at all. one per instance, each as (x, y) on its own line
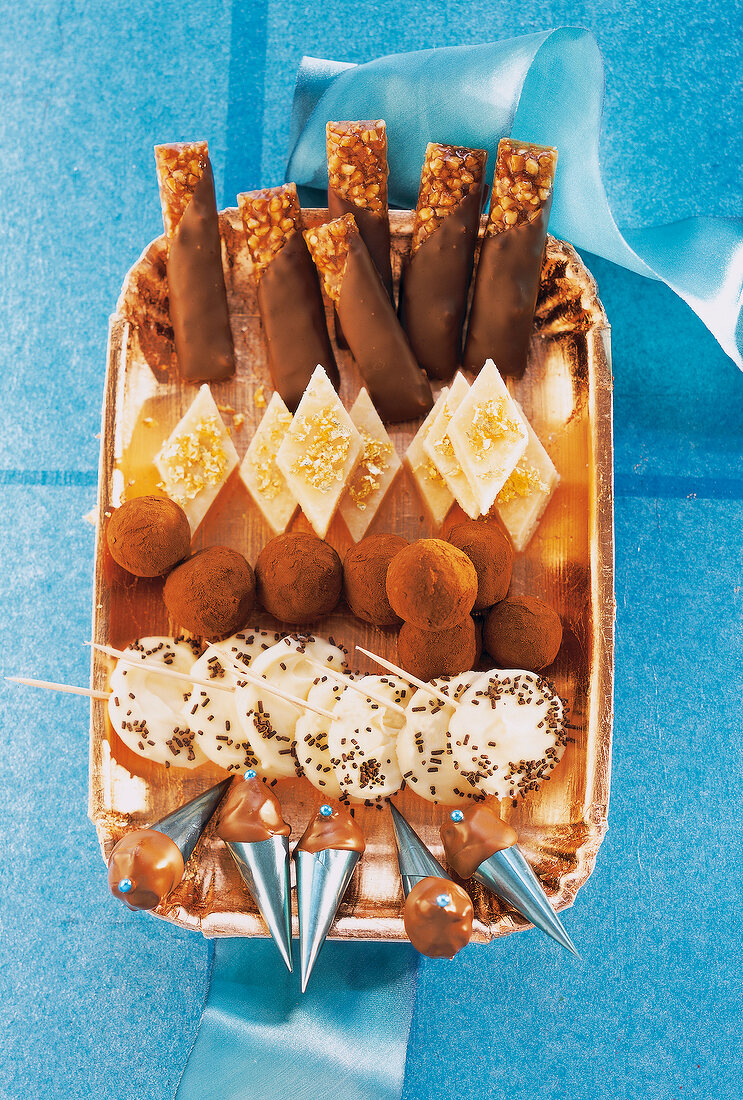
(413, 857)
(322, 880)
(186, 824)
(508, 875)
(264, 867)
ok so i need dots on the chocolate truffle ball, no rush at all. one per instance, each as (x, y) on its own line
(431, 653)
(431, 584)
(147, 536)
(490, 552)
(365, 578)
(522, 632)
(299, 577)
(211, 594)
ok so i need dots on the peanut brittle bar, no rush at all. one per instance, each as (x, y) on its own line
(437, 276)
(507, 279)
(196, 289)
(397, 385)
(289, 297)
(357, 184)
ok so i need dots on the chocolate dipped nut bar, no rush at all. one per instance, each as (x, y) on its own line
(196, 289)
(437, 276)
(289, 296)
(357, 184)
(507, 280)
(396, 384)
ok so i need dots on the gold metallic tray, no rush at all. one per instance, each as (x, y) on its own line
(566, 393)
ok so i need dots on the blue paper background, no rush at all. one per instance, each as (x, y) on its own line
(97, 1003)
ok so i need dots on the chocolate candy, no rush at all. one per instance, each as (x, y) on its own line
(397, 385)
(507, 280)
(197, 294)
(357, 184)
(289, 297)
(332, 828)
(436, 280)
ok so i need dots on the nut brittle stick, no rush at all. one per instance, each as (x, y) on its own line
(507, 279)
(436, 280)
(396, 384)
(196, 289)
(357, 184)
(289, 297)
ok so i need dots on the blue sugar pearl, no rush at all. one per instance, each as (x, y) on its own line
(457, 815)
(326, 811)
(250, 774)
(443, 900)
(125, 885)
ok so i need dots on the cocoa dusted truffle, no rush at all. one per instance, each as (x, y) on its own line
(428, 654)
(522, 632)
(365, 578)
(490, 552)
(211, 594)
(432, 584)
(299, 577)
(147, 536)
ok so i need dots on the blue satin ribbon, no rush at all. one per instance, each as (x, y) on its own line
(261, 1039)
(547, 88)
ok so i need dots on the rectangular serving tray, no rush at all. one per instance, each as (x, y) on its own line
(566, 394)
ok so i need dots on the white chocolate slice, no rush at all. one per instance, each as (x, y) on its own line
(488, 434)
(438, 446)
(320, 452)
(258, 470)
(146, 709)
(212, 715)
(423, 747)
(521, 502)
(197, 458)
(434, 491)
(508, 733)
(363, 739)
(269, 723)
(243, 648)
(377, 469)
(311, 736)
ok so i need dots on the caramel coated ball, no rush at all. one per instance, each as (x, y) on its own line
(438, 917)
(491, 553)
(432, 584)
(431, 653)
(365, 578)
(522, 632)
(299, 577)
(147, 536)
(211, 594)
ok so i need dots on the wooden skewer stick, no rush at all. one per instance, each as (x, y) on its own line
(440, 695)
(161, 670)
(343, 679)
(67, 689)
(261, 682)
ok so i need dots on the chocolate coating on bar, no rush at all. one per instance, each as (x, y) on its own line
(293, 316)
(433, 296)
(338, 831)
(250, 813)
(505, 296)
(438, 931)
(197, 292)
(375, 233)
(396, 384)
(151, 861)
(479, 835)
